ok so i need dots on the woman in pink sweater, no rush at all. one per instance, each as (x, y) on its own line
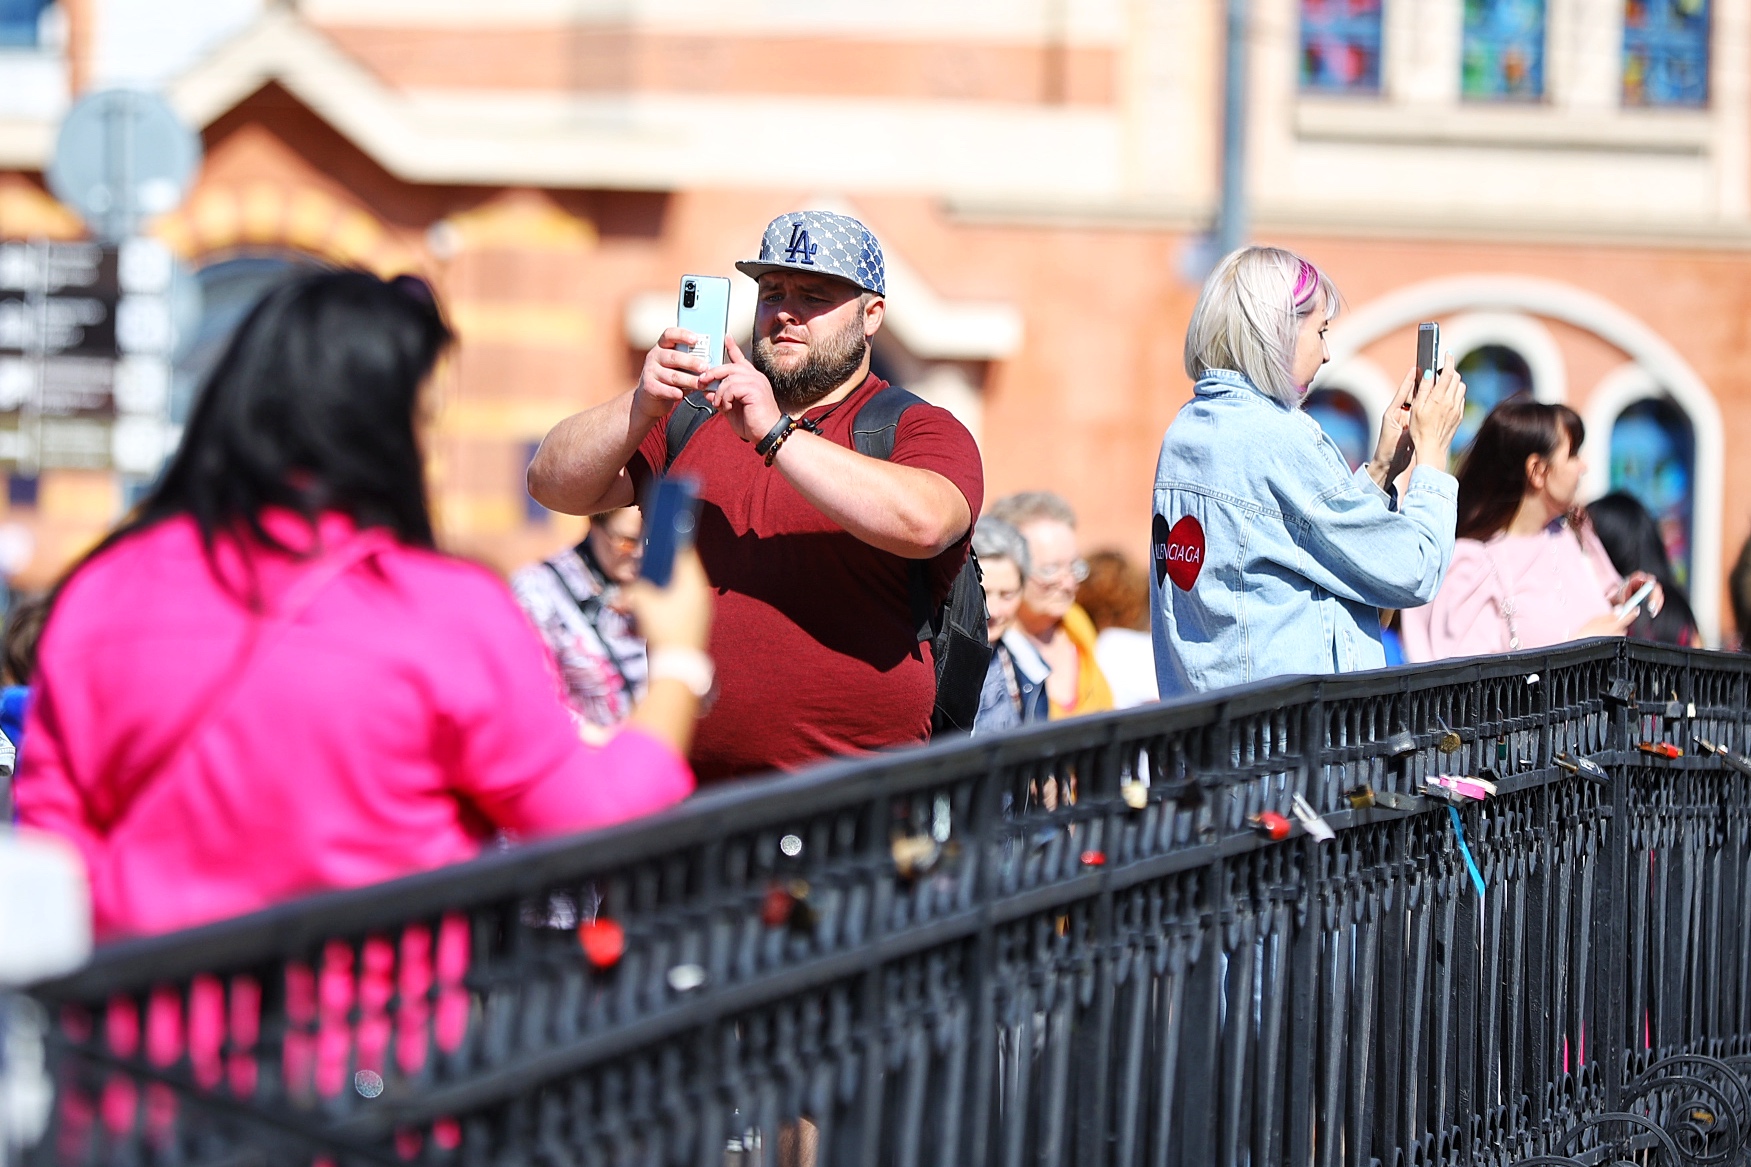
(268, 683)
(1527, 569)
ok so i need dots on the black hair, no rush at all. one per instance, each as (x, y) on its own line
(24, 627)
(1492, 476)
(1631, 538)
(1739, 592)
(309, 409)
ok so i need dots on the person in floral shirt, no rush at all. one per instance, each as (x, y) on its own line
(574, 601)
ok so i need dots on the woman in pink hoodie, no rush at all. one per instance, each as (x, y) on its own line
(268, 682)
(1527, 569)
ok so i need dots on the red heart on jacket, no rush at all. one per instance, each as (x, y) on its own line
(1183, 554)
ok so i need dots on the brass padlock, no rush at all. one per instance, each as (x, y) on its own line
(914, 855)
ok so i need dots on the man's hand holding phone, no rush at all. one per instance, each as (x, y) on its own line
(670, 373)
(742, 394)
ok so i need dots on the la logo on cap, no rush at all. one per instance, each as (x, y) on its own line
(1178, 551)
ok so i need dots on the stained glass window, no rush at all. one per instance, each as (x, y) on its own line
(1492, 374)
(1340, 46)
(1665, 52)
(1653, 456)
(1502, 57)
(1342, 417)
(18, 22)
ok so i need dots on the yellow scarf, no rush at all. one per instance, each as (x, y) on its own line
(1093, 694)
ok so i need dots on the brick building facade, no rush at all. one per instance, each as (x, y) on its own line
(1040, 171)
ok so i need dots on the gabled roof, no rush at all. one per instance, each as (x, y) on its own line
(647, 142)
(655, 141)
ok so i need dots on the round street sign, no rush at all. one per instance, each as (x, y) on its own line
(123, 155)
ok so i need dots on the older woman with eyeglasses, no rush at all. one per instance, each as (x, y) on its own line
(1015, 682)
(1271, 555)
(1050, 617)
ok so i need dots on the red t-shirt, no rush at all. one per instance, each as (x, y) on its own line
(817, 653)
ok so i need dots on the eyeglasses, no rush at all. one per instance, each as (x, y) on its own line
(625, 544)
(1051, 573)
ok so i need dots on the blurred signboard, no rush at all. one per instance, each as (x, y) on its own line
(122, 156)
(86, 335)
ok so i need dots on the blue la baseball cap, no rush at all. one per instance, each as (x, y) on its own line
(820, 241)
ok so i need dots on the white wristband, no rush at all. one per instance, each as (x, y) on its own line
(687, 665)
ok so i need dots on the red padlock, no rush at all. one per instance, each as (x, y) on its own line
(1271, 825)
(776, 907)
(1660, 749)
(1094, 858)
(603, 942)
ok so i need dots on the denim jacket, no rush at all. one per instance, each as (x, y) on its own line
(997, 711)
(1270, 556)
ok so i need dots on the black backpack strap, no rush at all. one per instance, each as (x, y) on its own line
(684, 421)
(872, 435)
(877, 421)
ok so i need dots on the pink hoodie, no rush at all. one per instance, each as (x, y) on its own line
(386, 709)
(1555, 581)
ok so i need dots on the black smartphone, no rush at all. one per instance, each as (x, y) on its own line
(1428, 352)
(671, 514)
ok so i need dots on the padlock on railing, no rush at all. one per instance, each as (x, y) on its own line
(1736, 761)
(1401, 743)
(1454, 788)
(1270, 824)
(1365, 796)
(1585, 767)
(1660, 749)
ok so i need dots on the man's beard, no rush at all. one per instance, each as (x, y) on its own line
(829, 364)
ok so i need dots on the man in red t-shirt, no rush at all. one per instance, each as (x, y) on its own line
(807, 542)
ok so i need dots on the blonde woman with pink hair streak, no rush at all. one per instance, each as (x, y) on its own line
(1270, 555)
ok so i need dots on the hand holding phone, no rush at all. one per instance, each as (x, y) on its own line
(671, 516)
(704, 309)
(1428, 352)
(1634, 601)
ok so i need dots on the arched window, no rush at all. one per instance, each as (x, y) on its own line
(1653, 456)
(1492, 374)
(1341, 416)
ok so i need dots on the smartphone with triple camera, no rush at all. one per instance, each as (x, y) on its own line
(1428, 352)
(671, 515)
(704, 308)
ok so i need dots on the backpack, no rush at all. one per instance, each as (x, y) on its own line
(954, 628)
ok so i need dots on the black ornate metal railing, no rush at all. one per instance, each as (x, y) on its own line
(1106, 941)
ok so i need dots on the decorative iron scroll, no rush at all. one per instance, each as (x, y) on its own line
(1472, 913)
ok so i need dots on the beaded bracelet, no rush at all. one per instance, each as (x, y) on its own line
(775, 435)
(772, 453)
